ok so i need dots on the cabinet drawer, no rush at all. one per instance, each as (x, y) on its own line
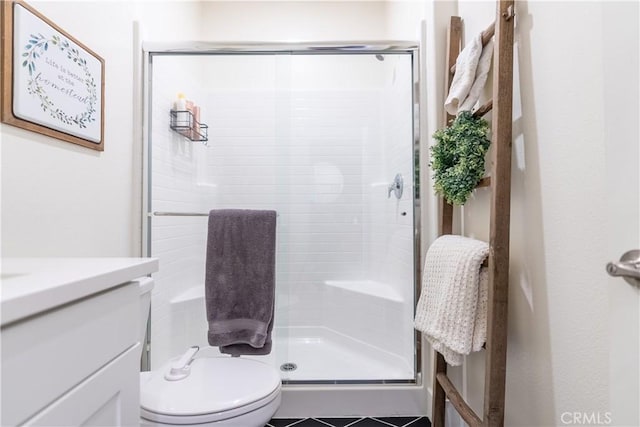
(109, 397)
(45, 356)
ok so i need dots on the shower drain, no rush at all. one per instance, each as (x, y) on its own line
(288, 367)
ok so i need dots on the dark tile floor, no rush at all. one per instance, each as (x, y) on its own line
(351, 422)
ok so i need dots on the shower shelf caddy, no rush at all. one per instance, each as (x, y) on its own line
(184, 123)
(500, 185)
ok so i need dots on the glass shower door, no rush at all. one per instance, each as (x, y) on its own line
(320, 138)
(346, 230)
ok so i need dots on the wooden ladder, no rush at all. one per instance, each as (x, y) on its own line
(498, 263)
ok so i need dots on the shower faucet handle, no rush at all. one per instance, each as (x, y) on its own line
(396, 187)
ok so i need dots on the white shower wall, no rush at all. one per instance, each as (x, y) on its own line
(318, 141)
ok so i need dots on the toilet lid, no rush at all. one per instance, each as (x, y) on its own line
(215, 385)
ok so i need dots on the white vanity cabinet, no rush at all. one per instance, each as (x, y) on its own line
(70, 351)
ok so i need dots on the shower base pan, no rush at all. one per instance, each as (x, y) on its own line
(321, 355)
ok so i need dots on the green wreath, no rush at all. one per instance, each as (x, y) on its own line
(36, 46)
(457, 157)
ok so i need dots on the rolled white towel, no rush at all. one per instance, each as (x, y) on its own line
(465, 75)
(482, 71)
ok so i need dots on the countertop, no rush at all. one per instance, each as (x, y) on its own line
(33, 285)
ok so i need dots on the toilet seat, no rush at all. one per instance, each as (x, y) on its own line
(217, 388)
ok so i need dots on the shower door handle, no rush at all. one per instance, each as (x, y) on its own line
(396, 187)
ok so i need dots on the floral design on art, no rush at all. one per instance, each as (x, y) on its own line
(33, 50)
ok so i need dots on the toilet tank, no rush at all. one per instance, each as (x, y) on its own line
(146, 285)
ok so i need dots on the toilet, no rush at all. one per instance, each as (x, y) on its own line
(220, 391)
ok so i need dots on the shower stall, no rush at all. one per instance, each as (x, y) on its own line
(327, 137)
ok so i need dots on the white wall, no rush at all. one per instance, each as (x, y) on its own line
(558, 353)
(403, 18)
(291, 21)
(60, 199)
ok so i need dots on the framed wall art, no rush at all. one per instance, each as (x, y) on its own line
(51, 83)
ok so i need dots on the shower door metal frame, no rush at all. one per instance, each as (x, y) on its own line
(151, 49)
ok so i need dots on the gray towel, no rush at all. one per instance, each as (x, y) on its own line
(240, 280)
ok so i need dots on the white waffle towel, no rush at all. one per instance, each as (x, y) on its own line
(452, 309)
(472, 68)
